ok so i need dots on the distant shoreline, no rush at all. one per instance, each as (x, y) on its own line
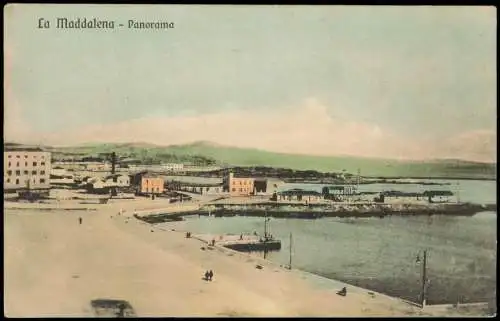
(389, 180)
(436, 178)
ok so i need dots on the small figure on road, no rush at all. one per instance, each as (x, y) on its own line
(80, 220)
(210, 275)
(241, 236)
(207, 275)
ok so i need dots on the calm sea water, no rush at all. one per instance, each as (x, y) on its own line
(381, 254)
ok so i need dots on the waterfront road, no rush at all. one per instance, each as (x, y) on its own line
(55, 266)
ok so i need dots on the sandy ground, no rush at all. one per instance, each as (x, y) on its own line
(55, 267)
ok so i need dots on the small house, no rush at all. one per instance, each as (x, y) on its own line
(438, 196)
(117, 180)
(267, 186)
(152, 184)
(298, 195)
(401, 197)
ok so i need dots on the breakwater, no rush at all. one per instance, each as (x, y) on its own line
(271, 245)
(297, 210)
(160, 218)
(316, 211)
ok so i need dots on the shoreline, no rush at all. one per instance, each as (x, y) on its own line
(147, 243)
(326, 282)
(109, 271)
(333, 284)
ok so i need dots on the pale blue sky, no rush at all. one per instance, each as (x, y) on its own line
(416, 72)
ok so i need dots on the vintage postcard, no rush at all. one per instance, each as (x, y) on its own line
(249, 161)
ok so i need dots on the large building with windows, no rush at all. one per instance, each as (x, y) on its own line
(152, 184)
(26, 169)
(238, 186)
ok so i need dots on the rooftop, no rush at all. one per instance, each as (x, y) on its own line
(438, 193)
(298, 191)
(194, 180)
(22, 149)
(114, 175)
(151, 175)
(401, 194)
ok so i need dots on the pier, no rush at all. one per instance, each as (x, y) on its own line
(241, 243)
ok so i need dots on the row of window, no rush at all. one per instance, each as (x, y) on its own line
(42, 181)
(152, 182)
(26, 156)
(26, 164)
(150, 190)
(241, 189)
(298, 197)
(241, 183)
(18, 172)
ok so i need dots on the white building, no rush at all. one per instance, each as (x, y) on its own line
(397, 197)
(115, 180)
(78, 165)
(298, 195)
(173, 167)
(26, 168)
(170, 167)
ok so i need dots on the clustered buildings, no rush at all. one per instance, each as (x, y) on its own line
(31, 169)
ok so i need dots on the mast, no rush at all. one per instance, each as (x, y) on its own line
(424, 280)
(265, 226)
(290, 261)
(113, 164)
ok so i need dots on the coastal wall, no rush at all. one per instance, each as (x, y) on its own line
(317, 211)
(347, 209)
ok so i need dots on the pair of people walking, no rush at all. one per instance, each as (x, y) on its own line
(209, 275)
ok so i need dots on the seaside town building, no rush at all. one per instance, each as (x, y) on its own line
(152, 184)
(439, 196)
(60, 177)
(343, 193)
(117, 180)
(195, 184)
(436, 196)
(170, 167)
(83, 165)
(203, 189)
(402, 197)
(26, 168)
(238, 186)
(298, 195)
(267, 186)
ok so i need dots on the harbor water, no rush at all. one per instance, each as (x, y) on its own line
(385, 255)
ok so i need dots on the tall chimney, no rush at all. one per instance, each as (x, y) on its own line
(113, 162)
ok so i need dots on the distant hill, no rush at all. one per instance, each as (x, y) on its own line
(203, 152)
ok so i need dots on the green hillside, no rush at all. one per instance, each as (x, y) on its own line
(203, 153)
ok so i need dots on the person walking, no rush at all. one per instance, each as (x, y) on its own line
(80, 220)
(207, 276)
(210, 275)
